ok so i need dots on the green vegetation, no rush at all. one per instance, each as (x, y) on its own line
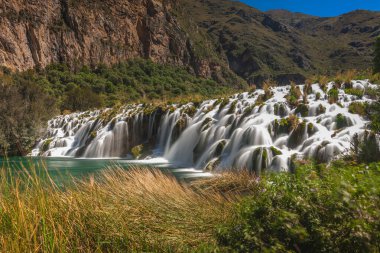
(356, 92)
(358, 108)
(333, 94)
(124, 211)
(341, 121)
(30, 98)
(366, 149)
(268, 94)
(133, 81)
(374, 113)
(294, 95)
(137, 150)
(376, 61)
(24, 109)
(303, 110)
(316, 209)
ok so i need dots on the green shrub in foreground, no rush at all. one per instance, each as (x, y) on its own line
(321, 209)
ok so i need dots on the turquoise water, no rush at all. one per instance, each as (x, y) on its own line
(65, 168)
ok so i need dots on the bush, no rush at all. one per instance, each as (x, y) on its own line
(333, 95)
(303, 110)
(294, 95)
(376, 60)
(365, 149)
(317, 209)
(356, 92)
(81, 99)
(358, 108)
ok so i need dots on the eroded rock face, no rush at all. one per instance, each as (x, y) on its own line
(35, 33)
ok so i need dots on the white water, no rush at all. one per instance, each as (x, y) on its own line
(237, 135)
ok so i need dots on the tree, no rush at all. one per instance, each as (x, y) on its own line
(24, 110)
(376, 67)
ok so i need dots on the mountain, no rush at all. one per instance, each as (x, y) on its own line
(284, 45)
(37, 33)
(221, 39)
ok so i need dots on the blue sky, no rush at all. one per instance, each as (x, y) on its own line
(323, 8)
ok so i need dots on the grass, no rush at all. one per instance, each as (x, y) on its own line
(319, 208)
(136, 210)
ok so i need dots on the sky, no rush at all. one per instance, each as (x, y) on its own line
(322, 8)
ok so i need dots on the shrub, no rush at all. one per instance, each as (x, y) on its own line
(358, 108)
(345, 78)
(333, 94)
(322, 80)
(294, 95)
(341, 121)
(139, 210)
(317, 209)
(137, 151)
(303, 110)
(356, 92)
(82, 99)
(365, 149)
(376, 60)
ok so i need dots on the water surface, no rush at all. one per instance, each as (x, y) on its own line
(63, 168)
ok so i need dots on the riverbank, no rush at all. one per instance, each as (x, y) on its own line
(316, 208)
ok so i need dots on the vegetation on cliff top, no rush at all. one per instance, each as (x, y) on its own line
(30, 98)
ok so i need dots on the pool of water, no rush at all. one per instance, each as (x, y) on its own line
(65, 168)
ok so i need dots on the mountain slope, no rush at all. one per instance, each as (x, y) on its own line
(283, 45)
(37, 33)
(216, 39)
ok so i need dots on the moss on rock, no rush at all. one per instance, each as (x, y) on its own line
(137, 151)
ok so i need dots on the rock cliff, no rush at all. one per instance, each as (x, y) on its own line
(36, 33)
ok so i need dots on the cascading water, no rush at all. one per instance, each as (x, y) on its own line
(240, 132)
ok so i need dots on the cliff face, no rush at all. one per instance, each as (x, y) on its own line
(212, 38)
(35, 33)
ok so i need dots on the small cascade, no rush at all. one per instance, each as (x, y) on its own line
(241, 132)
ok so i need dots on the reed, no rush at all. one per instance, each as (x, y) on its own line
(116, 211)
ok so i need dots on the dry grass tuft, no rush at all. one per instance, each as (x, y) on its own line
(232, 184)
(134, 210)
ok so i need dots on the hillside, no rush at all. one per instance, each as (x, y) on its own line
(37, 33)
(210, 38)
(284, 45)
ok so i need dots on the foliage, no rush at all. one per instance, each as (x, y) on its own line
(268, 84)
(345, 77)
(356, 92)
(132, 81)
(30, 98)
(317, 209)
(24, 109)
(365, 149)
(341, 121)
(374, 113)
(137, 150)
(139, 210)
(376, 60)
(358, 108)
(303, 110)
(333, 94)
(294, 95)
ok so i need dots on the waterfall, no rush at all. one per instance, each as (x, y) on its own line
(241, 131)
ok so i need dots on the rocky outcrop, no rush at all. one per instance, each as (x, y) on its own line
(36, 33)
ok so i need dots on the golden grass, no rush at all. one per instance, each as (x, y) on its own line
(118, 211)
(231, 184)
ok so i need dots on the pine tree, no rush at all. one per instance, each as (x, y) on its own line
(376, 67)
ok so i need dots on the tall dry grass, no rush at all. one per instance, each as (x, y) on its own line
(118, 211)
